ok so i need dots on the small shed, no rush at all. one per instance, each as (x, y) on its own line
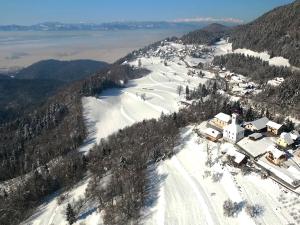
(237, 157)
(255, 136)
(275, 156)
(212, 134)
(274, 128)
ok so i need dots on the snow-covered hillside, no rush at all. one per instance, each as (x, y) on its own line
(186, 195)
(115, 109)
(142, 98)
(265, 56)
(188, 192)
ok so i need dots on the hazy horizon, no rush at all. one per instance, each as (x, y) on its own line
(32, 46)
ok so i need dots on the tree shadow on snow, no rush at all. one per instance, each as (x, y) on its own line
(87, 213)
(153, 187)
(111, 92)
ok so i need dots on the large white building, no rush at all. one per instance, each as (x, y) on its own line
(233, 132)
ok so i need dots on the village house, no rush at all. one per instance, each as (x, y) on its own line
(221, 120)
(275, 156)
(212, 134)
(284, 140)
(236, 158)
(258, 125)
(274, 128)
(233, 132)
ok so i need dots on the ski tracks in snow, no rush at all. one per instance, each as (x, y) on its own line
(211, 218)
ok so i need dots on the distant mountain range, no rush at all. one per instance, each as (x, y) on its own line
(57, 26)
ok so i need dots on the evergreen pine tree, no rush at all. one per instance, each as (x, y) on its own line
(187, 92)
(70, 214)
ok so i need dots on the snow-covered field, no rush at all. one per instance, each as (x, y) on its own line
(265, 56)
(186, 193)
(275, 61)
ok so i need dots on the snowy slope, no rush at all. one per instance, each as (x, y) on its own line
(186, 195)
(226, 48)
(118, 108)
(115, 109)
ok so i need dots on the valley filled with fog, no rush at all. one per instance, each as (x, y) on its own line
(22, 48)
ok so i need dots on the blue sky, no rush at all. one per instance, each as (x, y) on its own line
(97, 11)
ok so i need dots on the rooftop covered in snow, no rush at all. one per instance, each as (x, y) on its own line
(259, 123)
(274, 125)
(224, 117)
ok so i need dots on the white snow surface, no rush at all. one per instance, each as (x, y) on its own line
(275, 61)
(118, 108)
(185, 195)
(224, 47)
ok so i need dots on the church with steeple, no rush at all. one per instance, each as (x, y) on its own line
(233, 132)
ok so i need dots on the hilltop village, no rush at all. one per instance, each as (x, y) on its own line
(260, 143)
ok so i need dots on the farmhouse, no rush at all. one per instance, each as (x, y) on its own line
(284, 140)
(212, 134)
(274, 128)
(275, 156)
(257, 125)
(233, 132)
(221, 120)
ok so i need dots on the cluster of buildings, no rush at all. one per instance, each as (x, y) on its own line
(227, 127)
